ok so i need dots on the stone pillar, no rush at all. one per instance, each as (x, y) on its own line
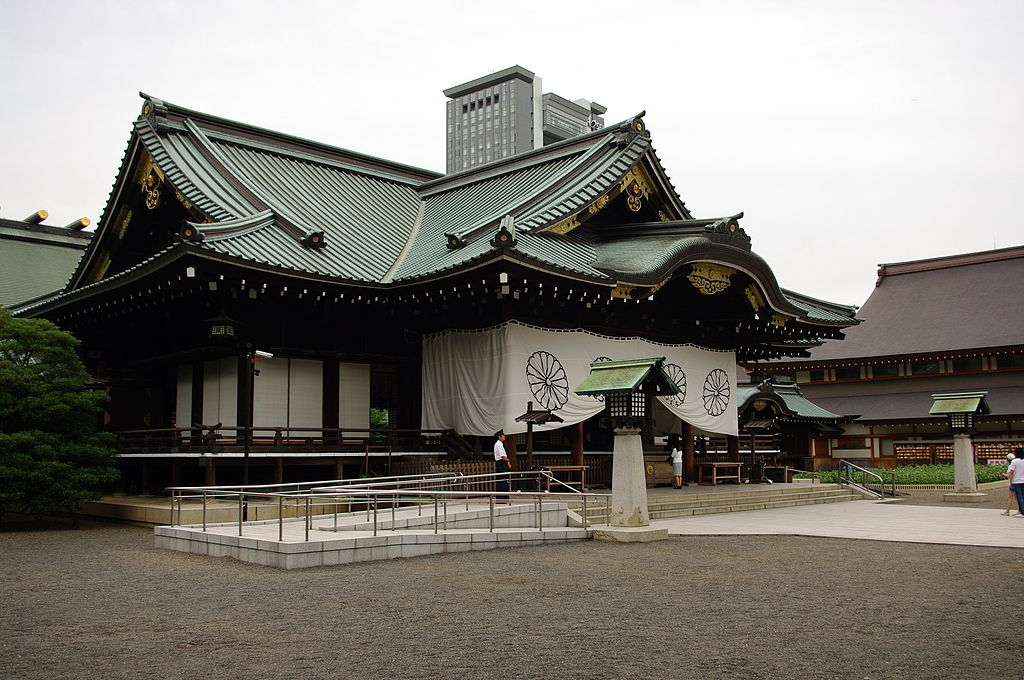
(964, 479)
(965, 483)
(629, 482)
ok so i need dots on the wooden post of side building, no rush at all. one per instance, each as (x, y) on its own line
(210, 478)
(734, 448)
(279, 470)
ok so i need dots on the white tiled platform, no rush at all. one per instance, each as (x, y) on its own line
(354, 541)
(867, 520)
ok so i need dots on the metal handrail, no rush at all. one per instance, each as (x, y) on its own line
(847, 470)
(360, 493)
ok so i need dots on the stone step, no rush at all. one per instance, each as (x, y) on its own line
(749, 502)
(710, 501)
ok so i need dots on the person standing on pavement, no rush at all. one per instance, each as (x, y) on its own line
(501, 464)
(676, 458)
(1016, 473)
(1011, 498)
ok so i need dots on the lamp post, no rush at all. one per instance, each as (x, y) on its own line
(627, 387)
(250, 388)
(535, 417)
(960, 409)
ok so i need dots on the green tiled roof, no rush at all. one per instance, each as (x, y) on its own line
(258, 196)
(36, 260)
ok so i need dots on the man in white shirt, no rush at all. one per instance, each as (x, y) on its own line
(501, 461)
(1016, 475)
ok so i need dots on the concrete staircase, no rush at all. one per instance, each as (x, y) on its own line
(763, 498)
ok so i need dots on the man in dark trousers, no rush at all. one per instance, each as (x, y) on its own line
(501, 462)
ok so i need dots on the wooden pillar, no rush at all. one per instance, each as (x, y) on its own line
(175, 473)
(576, 442)
(689, 462)
(734, 448)
(339, 468)
(510, 450)
(279, 470)
(211, 473)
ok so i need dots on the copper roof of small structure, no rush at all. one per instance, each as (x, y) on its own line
(793, 404)
(915, 406)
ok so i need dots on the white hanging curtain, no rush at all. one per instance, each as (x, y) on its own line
(477, 382)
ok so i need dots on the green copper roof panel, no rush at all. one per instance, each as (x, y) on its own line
(625, 376)
(962, 402)
(366, 220)
(470, 205)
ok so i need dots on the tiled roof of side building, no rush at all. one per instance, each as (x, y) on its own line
(956, 303)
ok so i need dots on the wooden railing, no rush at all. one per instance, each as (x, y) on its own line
(221, 439)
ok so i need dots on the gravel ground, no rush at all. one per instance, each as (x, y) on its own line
(100, 602)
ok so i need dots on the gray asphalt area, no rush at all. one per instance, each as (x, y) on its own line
(100, 602)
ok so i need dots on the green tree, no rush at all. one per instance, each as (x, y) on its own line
(52, 454)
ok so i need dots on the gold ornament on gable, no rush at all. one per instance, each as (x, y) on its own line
(565, 226)
(623, 291)
(754, 296)
(597, 205)
(710, 278)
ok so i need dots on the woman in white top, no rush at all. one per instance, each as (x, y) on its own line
(1010, 497)
(677, 462)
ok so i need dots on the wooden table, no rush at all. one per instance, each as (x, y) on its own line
(582, 469)
(711, 473)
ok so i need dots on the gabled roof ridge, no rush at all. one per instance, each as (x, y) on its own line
(824, 304)
(948, 261)
(233, 174)
(301, 156)
(121, 180)
(499, 168)
(566, 146)
(162, 109)
(539, 195)
(240, 226)
(105, 281)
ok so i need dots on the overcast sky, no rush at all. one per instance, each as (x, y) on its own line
(850, 133)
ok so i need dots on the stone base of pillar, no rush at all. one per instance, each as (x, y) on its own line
(629, 534)
(629, 481)
(969, 497)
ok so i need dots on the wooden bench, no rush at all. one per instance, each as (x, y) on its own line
(711, 473)
(581, 483)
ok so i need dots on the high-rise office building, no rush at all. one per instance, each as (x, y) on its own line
(506, 113)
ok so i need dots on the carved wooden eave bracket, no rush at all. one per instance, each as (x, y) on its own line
(193, 232)
(506, 236)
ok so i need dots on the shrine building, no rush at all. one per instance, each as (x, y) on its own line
(240, 276)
